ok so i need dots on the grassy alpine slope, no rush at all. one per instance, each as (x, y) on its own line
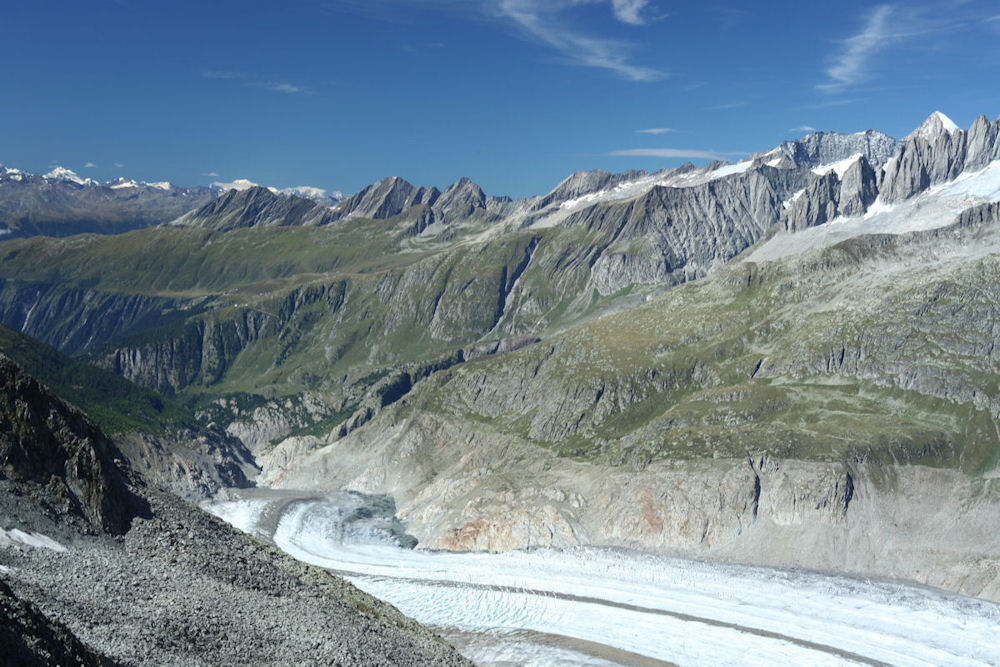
(848, 353)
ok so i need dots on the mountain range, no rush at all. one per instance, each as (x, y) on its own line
(788, 360)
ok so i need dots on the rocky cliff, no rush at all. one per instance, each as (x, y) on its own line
(57, 457)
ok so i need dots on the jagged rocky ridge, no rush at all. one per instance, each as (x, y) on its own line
(533, 270)
(175, 585)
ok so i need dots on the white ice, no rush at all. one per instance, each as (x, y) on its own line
(937, 207)
(668, 609)
(37, 540)
(238, 184)
(839, 167)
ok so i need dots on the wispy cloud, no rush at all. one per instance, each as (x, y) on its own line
(656, 130)
(283, 87)
(728, 105)
(257, 81)
(684, 153)
(119, 165)
(850, 65)
(884, 27)
(828, 104)
(631, 11)
(90, 165)
(226, 74)
(210, 174)
(544, 21)
(802, 128)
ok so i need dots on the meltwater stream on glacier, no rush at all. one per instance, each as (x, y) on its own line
(603, 606)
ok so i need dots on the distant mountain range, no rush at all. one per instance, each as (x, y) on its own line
(62, 203)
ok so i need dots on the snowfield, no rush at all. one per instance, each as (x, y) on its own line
(937, 207)
(602, 606)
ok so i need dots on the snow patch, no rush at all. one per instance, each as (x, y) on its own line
(238, 184)
(794, 198)
(948, 124)
(730, 169)
(937, 123)
(160, 185)
(310, 192)
(36, 540)
(642, 185)
(937, 207)
(839, 167)
(5, 231)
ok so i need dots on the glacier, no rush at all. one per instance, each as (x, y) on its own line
(606, 606)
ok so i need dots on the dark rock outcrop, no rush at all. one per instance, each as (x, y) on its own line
(59, 458)
(28, 638)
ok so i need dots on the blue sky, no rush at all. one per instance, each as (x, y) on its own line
(515, 94)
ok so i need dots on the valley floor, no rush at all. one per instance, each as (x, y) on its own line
(602, 606)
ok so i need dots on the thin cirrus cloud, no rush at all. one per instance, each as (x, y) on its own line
(90, 165)
(851, 64)
(656, 130)
(684, 153)
(256, 81)
(544, 21)
(886, 26)
(802, 128)
(727, 106)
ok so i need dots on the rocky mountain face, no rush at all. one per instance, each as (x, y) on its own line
(59, 458)
(825, 148)
(97, 568)
(933, 155)
(164, 442)
(252, 207)
(62, 204)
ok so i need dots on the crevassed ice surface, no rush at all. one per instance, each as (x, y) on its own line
(530, 607)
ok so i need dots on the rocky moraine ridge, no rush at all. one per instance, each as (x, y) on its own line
(784, 361)
(91, 558)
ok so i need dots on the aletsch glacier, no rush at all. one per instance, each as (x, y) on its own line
(524, 606)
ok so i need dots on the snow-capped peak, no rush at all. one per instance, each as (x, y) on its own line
(309, 192)
(63, 174)
(937, 123)
(121, 183)
(238, 184)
